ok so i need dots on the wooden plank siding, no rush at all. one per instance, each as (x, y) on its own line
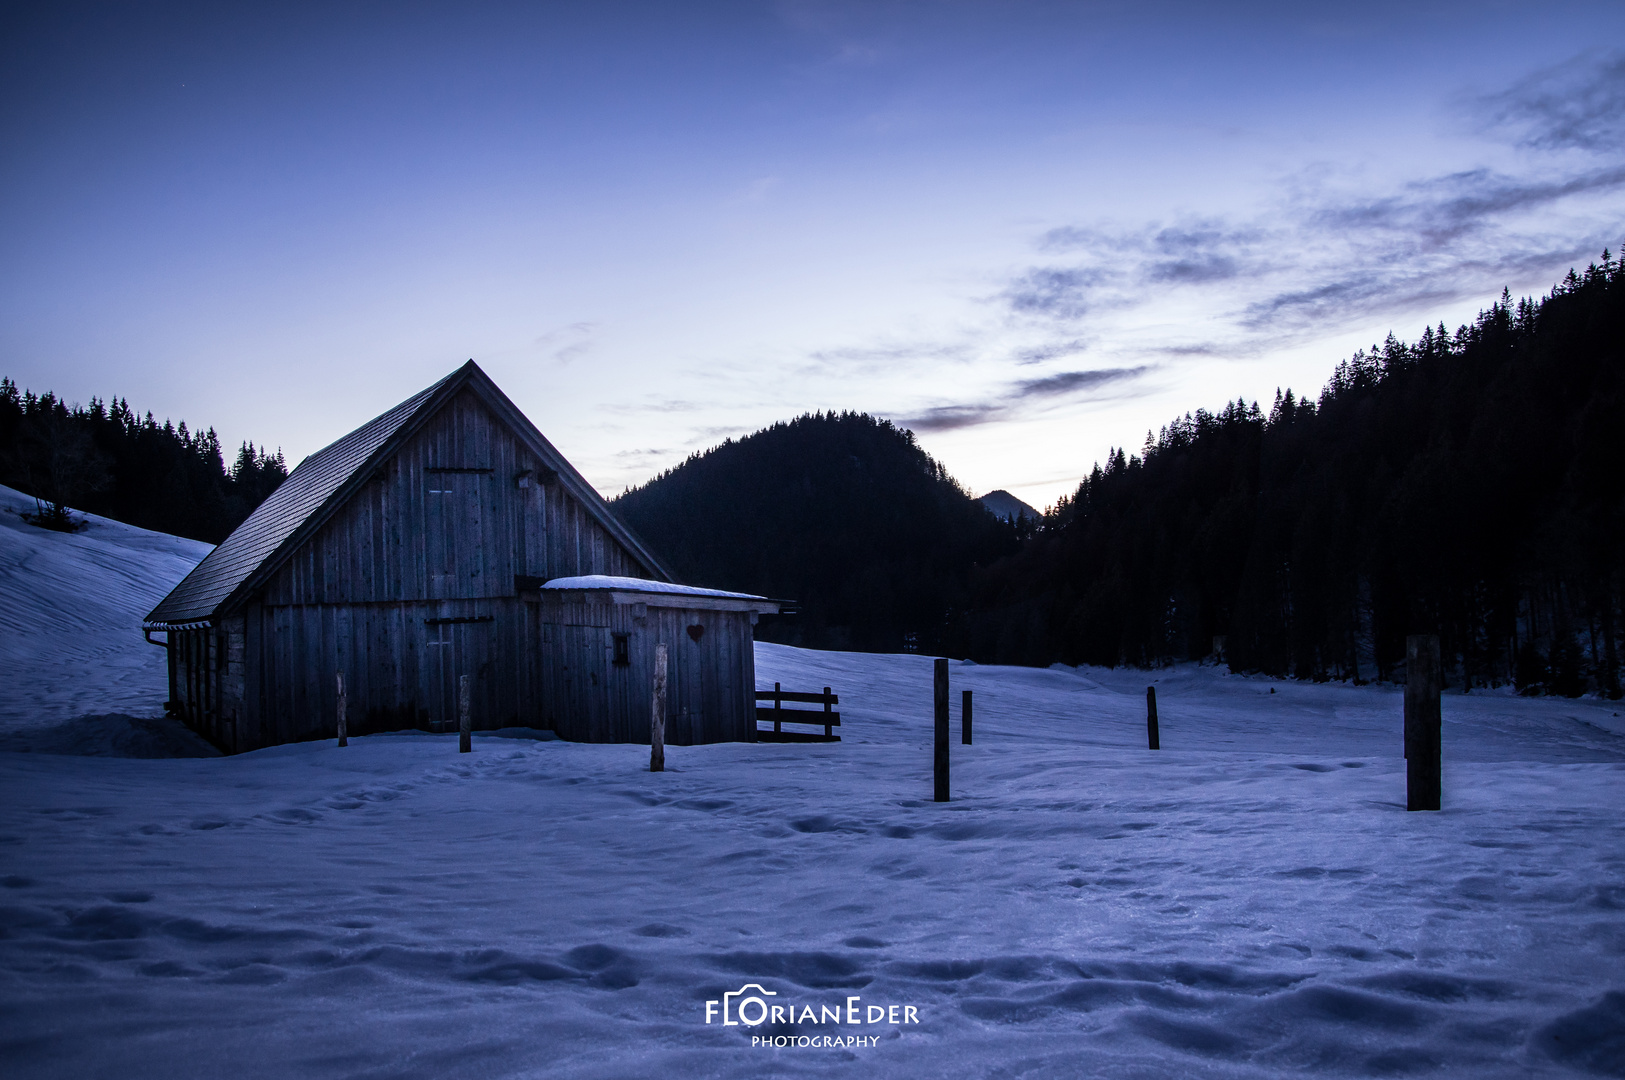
(414, 533)
(206, 680)
(408, 584)
(417, 543)
(587, 697)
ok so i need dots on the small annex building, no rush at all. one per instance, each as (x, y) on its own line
(445, 538)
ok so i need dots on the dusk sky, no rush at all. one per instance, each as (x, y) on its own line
(1030, 232)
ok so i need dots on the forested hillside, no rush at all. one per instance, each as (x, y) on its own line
(104, 459)
(843, 514)
(1470, 484)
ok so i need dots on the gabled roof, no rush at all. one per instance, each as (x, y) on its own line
(324, 482)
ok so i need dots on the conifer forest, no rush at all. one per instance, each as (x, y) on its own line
(1469, 483)
(104, 459)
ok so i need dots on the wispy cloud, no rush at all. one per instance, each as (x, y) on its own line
(1055, 350)
(1324, 252)
(1059, 292)
(1577, 106)
(1067, 382)
(888, 355)
(952, 417)
(567, 342)
(1324, 256)
(1007, 403)
(1433, 213)
(651, 405)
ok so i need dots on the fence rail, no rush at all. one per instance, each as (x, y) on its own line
(777, 715)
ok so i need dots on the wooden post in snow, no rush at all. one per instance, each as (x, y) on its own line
(964, 717)
(344, 719)
(465, 730)
(1422, 722)
(657, 715)
(940, 760)
(1151, 718)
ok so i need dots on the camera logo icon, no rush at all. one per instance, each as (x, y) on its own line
(736, 1003)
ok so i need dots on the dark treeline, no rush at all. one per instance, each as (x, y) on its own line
(1469, 484)
(104, 459)
(842, 513)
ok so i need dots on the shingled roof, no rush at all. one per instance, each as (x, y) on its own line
(325, 481)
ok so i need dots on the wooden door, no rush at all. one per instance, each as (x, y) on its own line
(584, 669)
(455, 649)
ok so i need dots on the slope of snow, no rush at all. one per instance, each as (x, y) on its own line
(1253, 900)
(71, 606)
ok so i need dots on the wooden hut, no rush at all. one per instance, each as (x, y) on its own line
(597, 655)
(418, 549)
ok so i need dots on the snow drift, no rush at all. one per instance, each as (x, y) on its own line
(1252, 900)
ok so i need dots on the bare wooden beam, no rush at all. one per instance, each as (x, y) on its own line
(940, 759)
(344, 726)
(1151, 718)
(1422, 722)
(465, 732)
(657, 717)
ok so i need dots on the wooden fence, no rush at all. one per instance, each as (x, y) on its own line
(777, 715)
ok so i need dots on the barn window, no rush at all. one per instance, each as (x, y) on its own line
(623, 649)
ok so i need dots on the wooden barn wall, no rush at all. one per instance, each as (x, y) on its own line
(414, 534)
(206, 673)
(587, 697)
(417, 545)
(401, 666)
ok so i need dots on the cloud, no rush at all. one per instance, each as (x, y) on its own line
(712, 434)
(1576, 105)
(1058, 292)
(1115, 266)
(1447, 208)
(567, 342)
(1005, 405)
(1067, 382)
(1038, 354)
(651, 405)
(950, 417)
(889, 353)
(1335, 300)
(1325, 256)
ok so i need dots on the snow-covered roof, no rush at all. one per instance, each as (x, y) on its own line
(325, 480)
(632, 584)
(660, 593)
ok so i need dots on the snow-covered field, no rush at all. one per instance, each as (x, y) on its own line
(71, 606)
(1251, 900)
